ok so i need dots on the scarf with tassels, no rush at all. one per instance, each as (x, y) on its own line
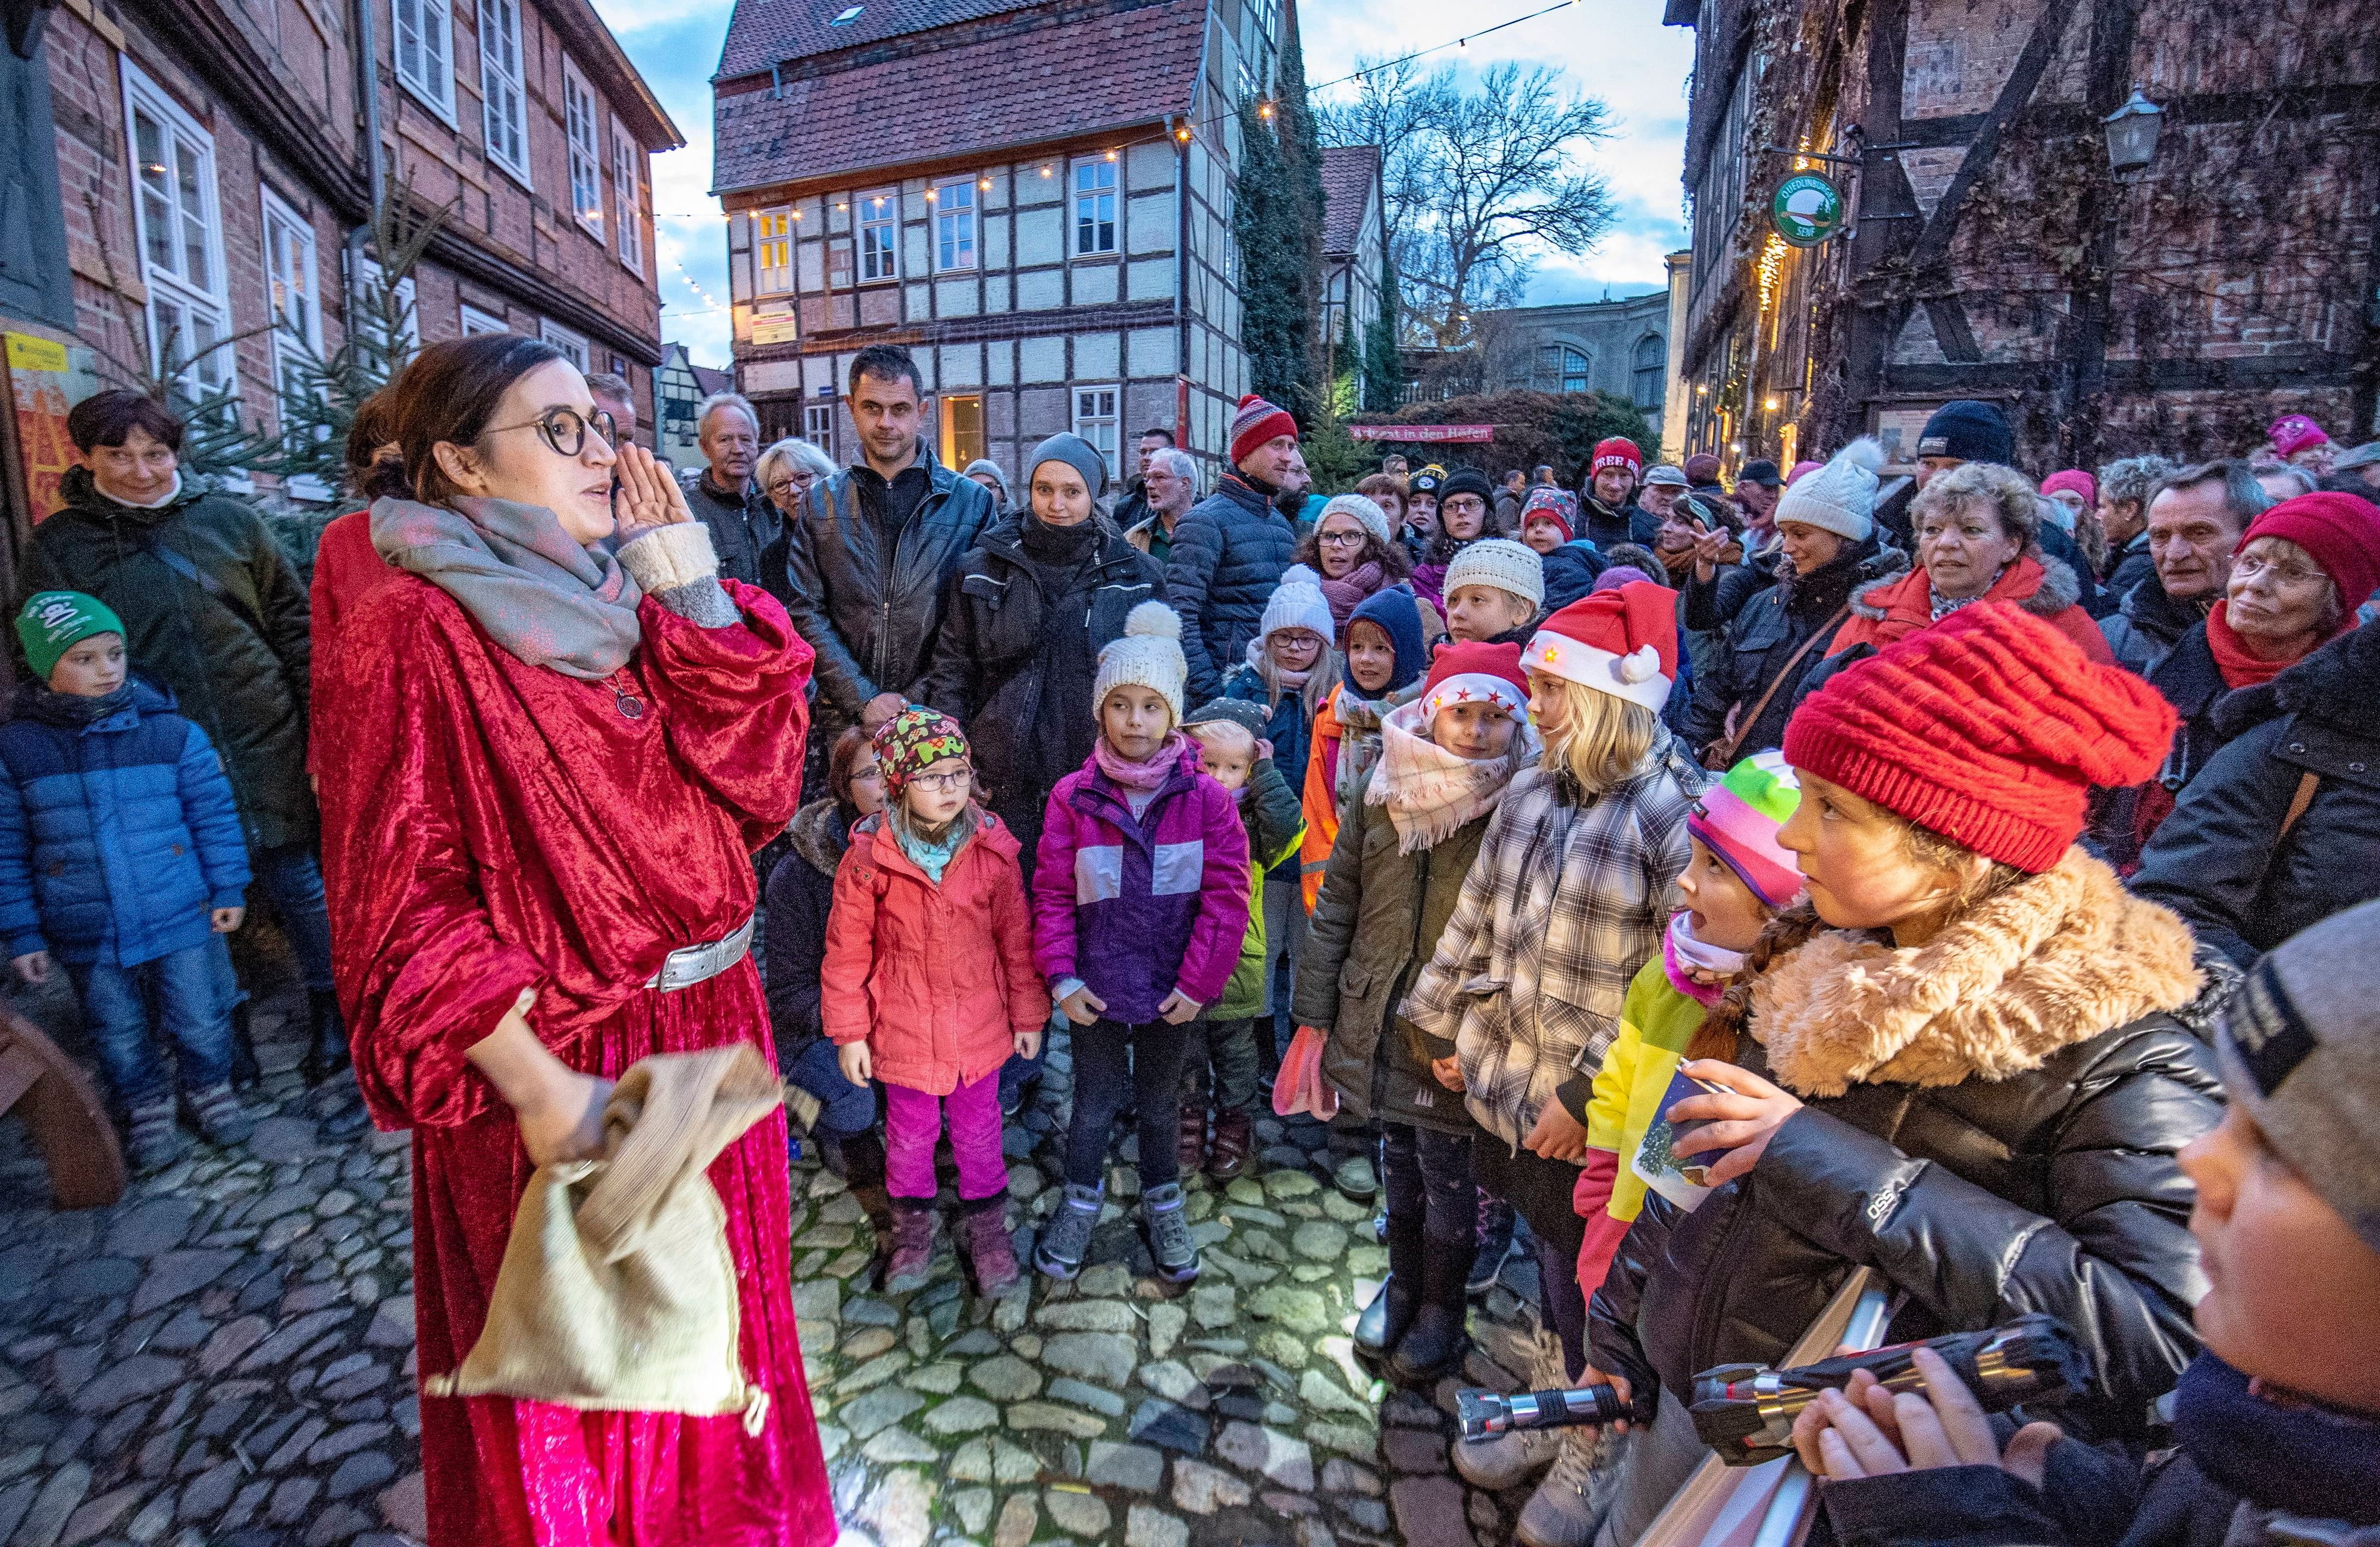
(1431, 793)
(1359, 730)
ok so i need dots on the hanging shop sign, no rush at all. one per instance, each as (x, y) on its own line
(1416, 435)
(1807, 210)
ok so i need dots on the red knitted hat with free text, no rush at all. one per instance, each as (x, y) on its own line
(1256, 422)
(1616, 452)
(1989, 728)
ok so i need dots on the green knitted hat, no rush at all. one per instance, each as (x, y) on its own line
(56, 621)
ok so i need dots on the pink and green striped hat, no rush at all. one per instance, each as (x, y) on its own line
(1738, 820)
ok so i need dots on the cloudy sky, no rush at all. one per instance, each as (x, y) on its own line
(1617, 49)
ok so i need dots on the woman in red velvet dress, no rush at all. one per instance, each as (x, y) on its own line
(540, 797)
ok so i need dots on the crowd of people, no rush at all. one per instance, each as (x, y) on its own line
(1967, 877)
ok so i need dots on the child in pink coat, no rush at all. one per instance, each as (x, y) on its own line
(930, 984)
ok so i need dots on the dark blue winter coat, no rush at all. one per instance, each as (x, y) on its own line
(1229, 553)
(118, 833)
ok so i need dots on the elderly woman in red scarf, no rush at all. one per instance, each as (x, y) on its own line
(540, 798)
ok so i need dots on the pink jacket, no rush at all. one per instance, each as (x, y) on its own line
(936, 979)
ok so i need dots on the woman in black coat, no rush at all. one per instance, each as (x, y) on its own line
(2280, 829)
(1028, 611)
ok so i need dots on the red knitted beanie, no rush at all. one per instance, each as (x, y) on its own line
(1990, 727)
(1256, 422)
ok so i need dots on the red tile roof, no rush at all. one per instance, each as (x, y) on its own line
(989, 90)
(1349, 175)
(766, 32)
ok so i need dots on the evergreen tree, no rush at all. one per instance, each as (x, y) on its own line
(1383, 362)
(1277, 221)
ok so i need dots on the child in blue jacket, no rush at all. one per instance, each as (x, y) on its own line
(121, 854)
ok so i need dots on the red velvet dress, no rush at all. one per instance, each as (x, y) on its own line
(491, 826)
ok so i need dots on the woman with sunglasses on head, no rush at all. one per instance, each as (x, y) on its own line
(539, 803)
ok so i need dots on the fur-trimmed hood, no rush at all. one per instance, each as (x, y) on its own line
(2041, 585)
(818, 836)
(2054, 960)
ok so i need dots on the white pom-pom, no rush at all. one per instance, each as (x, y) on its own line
(1866, 452)
(1154, 619)
(1642, 664)
(1299, 575)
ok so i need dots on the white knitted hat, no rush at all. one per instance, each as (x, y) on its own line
(1148, 655)
(1841, 496)
(1362, 507)
(1298, 602)
(1501, 563)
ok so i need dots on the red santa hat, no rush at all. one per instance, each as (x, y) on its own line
(1622, 643)
(1475, 671)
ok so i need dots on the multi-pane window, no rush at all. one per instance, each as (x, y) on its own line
(962, 422)
(628, 196)
(879, 235)
(289, 291)
(1561, 367)
(571, 344)
(578, 126)
(475, 322)
(1095, 420)
(425, 50)
(1095, 207)
(504, 98)
(772, 251)
(954, 224)
(174, 210)
(818, 426)
(1651, 367)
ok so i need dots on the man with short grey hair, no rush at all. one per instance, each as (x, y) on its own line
(615, 396)
(1168, 490)
(724, 494)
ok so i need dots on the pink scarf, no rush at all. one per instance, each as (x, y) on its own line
(1428, 792)
(1142, 778)
(1699, 971)
(1350, 591)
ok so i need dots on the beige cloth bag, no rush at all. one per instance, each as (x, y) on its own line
(617, 1292)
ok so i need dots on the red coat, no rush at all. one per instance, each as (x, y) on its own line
(1901, 604)
(346, 567)
(490, 826)
(936, 979)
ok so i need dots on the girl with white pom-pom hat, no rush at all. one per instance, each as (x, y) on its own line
(1140, 902)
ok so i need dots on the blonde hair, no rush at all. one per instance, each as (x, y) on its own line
(1226, 736)
(1597, 739)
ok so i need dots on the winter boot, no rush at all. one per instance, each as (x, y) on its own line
(150, 1137)
(1355, 1178)
(1234, 1139)
(1518, 1454)
(247, 1074)
(326, 1046)
(1434, 1345)
(1384, 1321)
(983, 1236)
(1066, 1238)
(1190, 1150)
(1495, 1242)
(1570, 1504)
(218, 1115)
(1168, 1233)
(912, 1246)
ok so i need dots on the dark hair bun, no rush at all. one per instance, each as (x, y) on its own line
(386, 479)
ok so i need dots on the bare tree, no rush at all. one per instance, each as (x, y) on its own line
(1477, 183)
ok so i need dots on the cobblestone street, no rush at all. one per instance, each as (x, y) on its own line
(226, 1357)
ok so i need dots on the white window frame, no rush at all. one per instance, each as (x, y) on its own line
(628, 196)
(431, 77)
(876, 218)
(773, 237)
(956, 227)
(818, 424)
(582, 131)
(292, 287)
(1096, 418)
(569, 341)
(503, 87)
(1106, 186)
(475, 322)
(204, 302)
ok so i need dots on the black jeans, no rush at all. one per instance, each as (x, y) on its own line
(1540, 1191)
(1426, 1176)
(1114, 1062)
(1230, 1047)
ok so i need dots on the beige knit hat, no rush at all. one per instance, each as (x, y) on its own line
(1149, 656)
(1501, 563)
(1841, 496)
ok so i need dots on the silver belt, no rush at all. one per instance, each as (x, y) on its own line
(689, 965)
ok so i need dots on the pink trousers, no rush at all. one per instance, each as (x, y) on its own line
(912, 1120)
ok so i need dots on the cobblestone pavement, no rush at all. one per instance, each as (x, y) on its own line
(224, 1360)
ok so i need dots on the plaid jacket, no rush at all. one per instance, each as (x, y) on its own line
(1566, 901)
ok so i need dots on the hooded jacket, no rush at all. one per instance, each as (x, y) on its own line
(117, 831)
(937, 979)
(1138, 907)
(800, 897)
(214, 614)
(1767, 615)
(1991, 1121)
(1268, 810)
(1893, 608)
(2148, 624)
(1229, 553)
(2221, 859)
(870, 601)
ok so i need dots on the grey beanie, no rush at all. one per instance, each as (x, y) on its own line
(985, 465)
(1077, 454)
(2299, 1049)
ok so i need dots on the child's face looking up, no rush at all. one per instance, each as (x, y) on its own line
(1294, 649)
(1723, 911)
(91, 668)
(1475, 732)
(1135, 719)
(1371, 659)
(1228, 754)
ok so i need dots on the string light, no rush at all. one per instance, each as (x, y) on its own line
(1772, 263)
(1462, 42)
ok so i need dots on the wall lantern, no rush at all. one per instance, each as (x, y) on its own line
(2133, 133)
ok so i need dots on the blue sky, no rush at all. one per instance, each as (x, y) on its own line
(1617, 49)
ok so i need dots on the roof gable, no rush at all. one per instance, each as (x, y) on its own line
(1351, 174)
(766, 32)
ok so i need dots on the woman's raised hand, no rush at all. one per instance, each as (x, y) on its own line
(647, 496)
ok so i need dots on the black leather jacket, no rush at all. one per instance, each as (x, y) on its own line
(870, 604)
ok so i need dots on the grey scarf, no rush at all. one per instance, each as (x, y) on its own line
(542, 596)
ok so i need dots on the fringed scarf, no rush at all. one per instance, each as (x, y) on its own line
(1430, 792)
(1359, 728)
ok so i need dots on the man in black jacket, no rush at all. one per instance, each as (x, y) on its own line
(725, 496)
(869, 563)
(1230, 551)
(1132, 506)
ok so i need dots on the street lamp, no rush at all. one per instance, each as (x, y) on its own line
(2133, 133)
